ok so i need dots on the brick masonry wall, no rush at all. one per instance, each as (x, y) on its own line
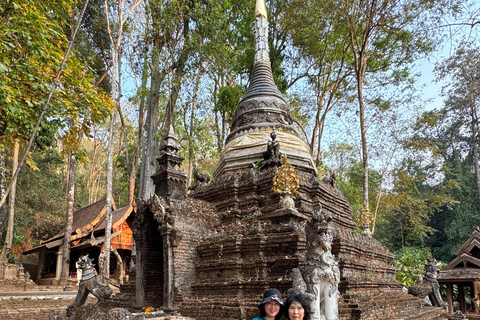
(189, 220)
(193, 219)
(150, 246)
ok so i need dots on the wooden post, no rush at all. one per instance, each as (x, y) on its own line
(450, 297)
(41, 262)
(472, 296)
(461, 298)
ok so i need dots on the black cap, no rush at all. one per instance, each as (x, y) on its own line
(271, 294)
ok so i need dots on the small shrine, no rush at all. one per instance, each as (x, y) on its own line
(88, 236)
(462, 275)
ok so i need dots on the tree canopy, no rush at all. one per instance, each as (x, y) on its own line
(346, 68)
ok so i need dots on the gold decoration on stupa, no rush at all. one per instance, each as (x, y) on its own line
(365, 216)
(286, 178)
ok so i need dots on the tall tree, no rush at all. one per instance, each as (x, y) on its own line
(324, 48)
(115, 43)
(34, 42)
(4, 255)
(150, 141)
(71, 167)
(385, 36)
(172, 26)
(462, 70)
(42, 77)
(140, 67)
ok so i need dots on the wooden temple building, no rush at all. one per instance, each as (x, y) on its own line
(462, 277)
(88, 235)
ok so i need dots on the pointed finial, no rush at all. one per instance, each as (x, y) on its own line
(260, 9)
(170, 140)
(261, 32)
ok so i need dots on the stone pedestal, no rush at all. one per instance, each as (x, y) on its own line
(285, 215)
(170, 183)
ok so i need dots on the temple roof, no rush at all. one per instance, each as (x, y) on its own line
(261, 110)
(86, 221)
(466, 265)
(463, 274)
(471, 243)
(118, 216)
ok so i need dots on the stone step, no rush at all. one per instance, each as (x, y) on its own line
(429, 313)
(130, 288)
(36, 307)
(400, 306)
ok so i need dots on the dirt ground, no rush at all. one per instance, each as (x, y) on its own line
(20, 301)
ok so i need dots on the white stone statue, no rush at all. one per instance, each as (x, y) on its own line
(319, 275)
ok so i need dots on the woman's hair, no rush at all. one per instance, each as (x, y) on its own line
(302, 300)
(277, 317)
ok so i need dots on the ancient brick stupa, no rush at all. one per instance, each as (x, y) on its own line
(211, 254)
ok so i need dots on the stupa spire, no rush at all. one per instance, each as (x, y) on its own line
(260, 8)
(261, 32)
(262, 109)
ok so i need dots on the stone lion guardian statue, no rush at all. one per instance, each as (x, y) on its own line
(89, 283)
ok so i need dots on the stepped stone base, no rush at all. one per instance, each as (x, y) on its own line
(388, 305)
(227, 245)
(252, 250)
(126, 297)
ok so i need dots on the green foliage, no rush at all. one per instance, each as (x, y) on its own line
(256, 166)
(407, 209)
(92, 42)
(455, 221)
(350, 182)
(410, 264)
(33, 46)
(228, 98)
(446, 139)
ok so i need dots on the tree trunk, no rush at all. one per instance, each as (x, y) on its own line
(116, 69)
(363, 133)
(217, 120)
(313, 140)
(224, 120)
(475, 147)
(3, 183)
(7, 248)
(321, 126)
(149, 146)
(72, 163)
(320, 100)
(191, 155)
(136, 154)
(359, 49)
(109, 191)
